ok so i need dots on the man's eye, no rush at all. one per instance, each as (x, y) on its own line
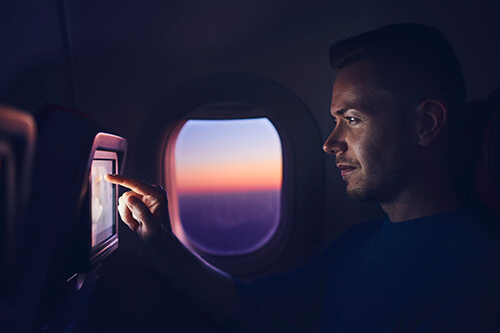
(352, 120)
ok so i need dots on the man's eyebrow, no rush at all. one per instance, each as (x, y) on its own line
(341, 111)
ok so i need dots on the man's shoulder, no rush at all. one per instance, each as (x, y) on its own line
(364, 227)
(361, 230)
(487, 221)
(481, 227)
(355, 236)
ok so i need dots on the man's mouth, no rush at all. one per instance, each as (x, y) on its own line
(345, 169)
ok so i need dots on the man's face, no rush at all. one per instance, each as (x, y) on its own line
(372, 139)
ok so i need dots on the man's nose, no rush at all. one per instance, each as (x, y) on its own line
(335, 144)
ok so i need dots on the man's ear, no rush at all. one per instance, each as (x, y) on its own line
(432, 115)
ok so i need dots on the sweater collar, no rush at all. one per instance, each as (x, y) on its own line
(424, 224)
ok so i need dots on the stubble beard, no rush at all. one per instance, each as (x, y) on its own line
(382, 184)
(366, 190)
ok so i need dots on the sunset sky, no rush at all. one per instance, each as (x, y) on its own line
(228, 155)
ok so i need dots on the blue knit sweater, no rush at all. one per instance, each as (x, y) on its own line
(437, 273)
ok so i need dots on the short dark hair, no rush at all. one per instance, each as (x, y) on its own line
(430, 63)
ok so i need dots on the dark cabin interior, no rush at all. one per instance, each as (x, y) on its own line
(120, 62)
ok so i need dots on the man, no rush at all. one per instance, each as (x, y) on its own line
(398, 101)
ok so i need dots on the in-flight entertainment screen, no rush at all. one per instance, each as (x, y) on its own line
(103, 198)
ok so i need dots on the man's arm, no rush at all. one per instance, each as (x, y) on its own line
(145, 210)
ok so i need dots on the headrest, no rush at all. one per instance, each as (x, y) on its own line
(487, 168)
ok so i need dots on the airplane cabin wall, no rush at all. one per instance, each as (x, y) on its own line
(128, 54)
(34, 66)
(116, 59)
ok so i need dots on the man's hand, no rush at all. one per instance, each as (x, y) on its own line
(144, 209)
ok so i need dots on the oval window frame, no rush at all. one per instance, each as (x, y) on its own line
(228, 96)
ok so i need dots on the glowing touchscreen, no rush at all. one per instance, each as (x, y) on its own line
(103, 201)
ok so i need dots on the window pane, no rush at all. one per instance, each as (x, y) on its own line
(228, 180)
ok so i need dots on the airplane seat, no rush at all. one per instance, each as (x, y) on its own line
(61, 270)
(141, 300)
(487, 173)
(17, 148)
(484, 117)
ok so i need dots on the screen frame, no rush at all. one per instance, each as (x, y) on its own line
(99, 250)
(107, 146)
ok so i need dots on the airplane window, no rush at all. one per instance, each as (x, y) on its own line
(228, 179)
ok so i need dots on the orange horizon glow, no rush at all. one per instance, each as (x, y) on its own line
(228, 156)
(224, 190)
(232, 178)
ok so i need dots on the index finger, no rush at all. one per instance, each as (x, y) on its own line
(134, 184)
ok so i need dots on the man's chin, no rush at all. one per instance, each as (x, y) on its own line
(354, 195)
(362, 195)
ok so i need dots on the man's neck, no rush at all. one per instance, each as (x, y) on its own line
(417, 203)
